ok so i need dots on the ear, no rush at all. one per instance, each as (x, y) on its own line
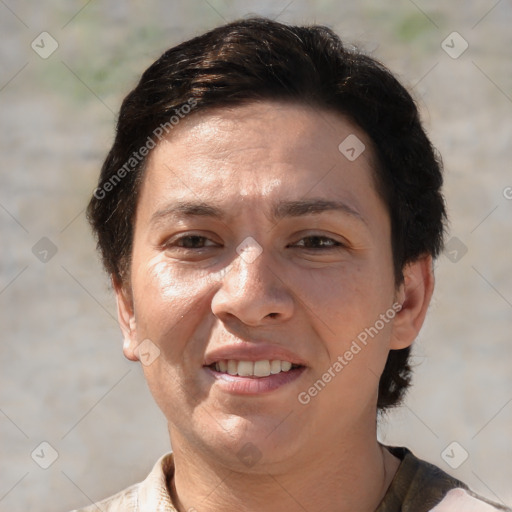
(126, 318)
(414, 294)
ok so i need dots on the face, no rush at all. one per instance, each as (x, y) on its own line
(261, 254)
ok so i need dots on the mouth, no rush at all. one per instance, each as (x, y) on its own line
(242, 377)
(258, 369)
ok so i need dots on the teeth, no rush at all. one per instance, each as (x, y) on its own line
(275, 366)
(245, 368)
(232, 367)
(285, 366)
(262, 368)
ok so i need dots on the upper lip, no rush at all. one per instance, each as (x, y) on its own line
(254, 351)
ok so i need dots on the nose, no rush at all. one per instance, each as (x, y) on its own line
(254, 292)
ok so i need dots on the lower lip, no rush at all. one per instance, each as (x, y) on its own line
(254, 385)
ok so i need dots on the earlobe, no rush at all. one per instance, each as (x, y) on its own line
(126, 318)
(414, 294)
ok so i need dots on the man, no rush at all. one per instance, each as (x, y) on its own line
(268, 215)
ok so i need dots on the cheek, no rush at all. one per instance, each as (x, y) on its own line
(165, 289)
(172, 303)
(170, 311)
(345, 299)
(345, 305)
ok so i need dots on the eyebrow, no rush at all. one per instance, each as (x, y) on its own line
(313, 206)
(279, 211)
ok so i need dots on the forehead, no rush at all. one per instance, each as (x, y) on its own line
(261, 150)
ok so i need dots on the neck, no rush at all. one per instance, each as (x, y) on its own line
(351, 476)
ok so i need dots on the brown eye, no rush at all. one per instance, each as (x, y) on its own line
(318, 242)
(191, 242)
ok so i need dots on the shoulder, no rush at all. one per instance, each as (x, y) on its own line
(461, 500)
(419, 486)
(125, 501)
(150, 495)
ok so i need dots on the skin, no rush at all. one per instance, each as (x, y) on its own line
(310, 295)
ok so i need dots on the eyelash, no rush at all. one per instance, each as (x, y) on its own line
(185, 237)
(335, 244)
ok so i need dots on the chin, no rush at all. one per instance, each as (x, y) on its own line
(252, 441)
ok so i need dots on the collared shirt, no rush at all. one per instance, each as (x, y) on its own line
(416, 487)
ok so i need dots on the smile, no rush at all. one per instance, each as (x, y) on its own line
(262, 368)
(253, 377)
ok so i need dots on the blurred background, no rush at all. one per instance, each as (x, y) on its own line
(77, 422)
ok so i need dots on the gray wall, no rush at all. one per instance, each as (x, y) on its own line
(63, 377)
